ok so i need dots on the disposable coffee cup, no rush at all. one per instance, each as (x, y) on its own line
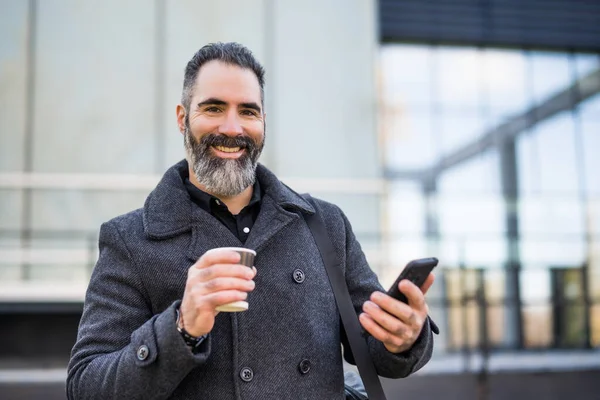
(247, 259)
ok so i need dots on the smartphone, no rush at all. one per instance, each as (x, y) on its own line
(415, 271)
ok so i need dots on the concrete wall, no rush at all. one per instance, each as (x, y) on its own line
(106, 76)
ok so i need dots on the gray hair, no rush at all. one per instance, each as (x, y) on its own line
(230, 53)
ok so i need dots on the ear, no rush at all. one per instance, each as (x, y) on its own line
(181, 118)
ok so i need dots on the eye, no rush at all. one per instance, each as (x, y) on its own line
(249, 112)
(212, 109)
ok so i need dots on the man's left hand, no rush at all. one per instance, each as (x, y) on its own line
(396, 324)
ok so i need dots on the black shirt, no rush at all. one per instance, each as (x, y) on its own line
(241, 224)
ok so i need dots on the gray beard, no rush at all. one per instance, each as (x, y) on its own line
(221, 177)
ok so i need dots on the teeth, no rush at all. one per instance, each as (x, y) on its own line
(227, 149)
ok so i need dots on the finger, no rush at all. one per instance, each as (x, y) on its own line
(216, 299)
(415, 297)
(220, 270)
(378, 332)
(216, 256)
(398, 309)
(223, 284)
(428, 282)
(391, 323)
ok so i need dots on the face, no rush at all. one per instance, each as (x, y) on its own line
(224, 130)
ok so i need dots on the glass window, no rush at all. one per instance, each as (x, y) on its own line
(459, 129)
(406, 77)
(595, 322)
(528, 170)
(536, 311)
(406, 208)
(550, 74)
(586, 63)
(537, 326)
(410, 139)
(589, 110)
(463, 313)
(459, 78)
(505, 77)
(471, 92)
(555, 141)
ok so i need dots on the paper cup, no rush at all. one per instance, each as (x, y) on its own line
(247, 259)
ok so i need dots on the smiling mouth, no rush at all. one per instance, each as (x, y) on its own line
(228, 149)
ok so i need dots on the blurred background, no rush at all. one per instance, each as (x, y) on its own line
(464, 130)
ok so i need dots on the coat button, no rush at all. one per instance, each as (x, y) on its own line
(298, 276)
(142, 352)
(246, 374)
(304, 366)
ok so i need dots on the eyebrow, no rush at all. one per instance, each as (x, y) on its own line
(217, 102)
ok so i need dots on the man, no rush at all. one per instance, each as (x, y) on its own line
(150, 329)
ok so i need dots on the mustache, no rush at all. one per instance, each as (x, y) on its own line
(215, 139)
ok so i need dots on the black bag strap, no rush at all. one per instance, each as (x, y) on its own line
(350, 322)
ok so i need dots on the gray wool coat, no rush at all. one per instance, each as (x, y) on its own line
(286, 346)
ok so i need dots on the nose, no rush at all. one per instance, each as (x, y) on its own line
(231, 124)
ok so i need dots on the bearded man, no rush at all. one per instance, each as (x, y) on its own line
(150, 328)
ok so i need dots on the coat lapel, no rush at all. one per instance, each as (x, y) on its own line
(169, 212)
(269, 222)
(208, 233)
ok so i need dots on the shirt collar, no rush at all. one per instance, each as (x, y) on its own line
(206, 201)
(167, 212)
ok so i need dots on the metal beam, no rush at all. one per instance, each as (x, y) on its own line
(585, 88)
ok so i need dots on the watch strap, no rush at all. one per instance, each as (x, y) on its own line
(191, 341)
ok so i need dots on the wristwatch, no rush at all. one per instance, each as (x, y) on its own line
(191, 341)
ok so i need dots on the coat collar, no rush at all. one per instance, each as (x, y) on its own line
(169, 211)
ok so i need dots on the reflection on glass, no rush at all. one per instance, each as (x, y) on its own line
(459, 76)
(528, 171)
(505, 78)
(535, 286)
(550, 73)
(456, 332)
(496, 325)
(586, 63)
(546, 215)
(569, 313)
(595, 325)
(590, 131)
(495, 285)
(589, 110)
(406, 74)
(430, 113)
(470, 180)
(463, 319)
(405, 213)
(459, 129)
(594, 274)
(555, 139)
(410, 141)
(571, 331)
(537, 326)
(542, 251)
(464, 326)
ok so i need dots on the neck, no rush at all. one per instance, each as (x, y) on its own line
(235, 204)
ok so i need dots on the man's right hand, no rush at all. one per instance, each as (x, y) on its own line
(214, 280)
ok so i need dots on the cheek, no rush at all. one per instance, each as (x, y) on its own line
(256, 131)
(201, 126)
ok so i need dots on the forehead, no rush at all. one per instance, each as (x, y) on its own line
(227, 82)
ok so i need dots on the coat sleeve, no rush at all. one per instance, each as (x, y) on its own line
(362, 281)
(122, 350)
